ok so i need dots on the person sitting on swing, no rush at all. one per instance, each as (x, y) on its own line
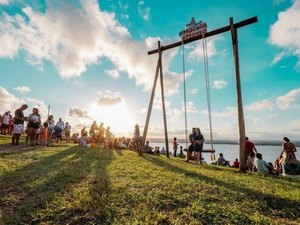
(198, 145)
(191, 147)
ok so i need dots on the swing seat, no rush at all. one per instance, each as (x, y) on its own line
(208, 150)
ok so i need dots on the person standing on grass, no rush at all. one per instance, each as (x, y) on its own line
(289, 146)
(175, 146)
(11, 125)
(198, 145)
(93, 128)
(19, 124)
(57, 133)
(67, 132)
(60, 123)
(51, 125)
(5, 123)
(82, 132)
(250, 147)
(34, 120)
(44, 134)
(191, 147)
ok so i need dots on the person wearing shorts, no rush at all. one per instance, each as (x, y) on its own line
(34, 121)
(5, 123)
(19, 124)
(198, 145)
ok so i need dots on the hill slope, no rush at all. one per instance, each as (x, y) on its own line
(68, 184)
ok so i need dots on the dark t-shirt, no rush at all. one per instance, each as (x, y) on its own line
(19, 113)
(198, 137)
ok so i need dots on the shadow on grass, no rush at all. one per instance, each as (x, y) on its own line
(278, 207)
(119, 152)
(32, 193)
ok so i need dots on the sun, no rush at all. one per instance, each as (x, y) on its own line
(118, 117)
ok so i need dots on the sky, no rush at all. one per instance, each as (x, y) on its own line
(88, 60)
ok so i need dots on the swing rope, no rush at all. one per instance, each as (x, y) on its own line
(207, 84)
(184, 89)
(206, 72)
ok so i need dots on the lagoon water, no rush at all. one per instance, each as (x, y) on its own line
(231, 152)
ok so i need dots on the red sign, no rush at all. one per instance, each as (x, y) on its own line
(193, 29)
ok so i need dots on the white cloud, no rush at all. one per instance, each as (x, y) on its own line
(73, 38)
(295, 123)
(123, 6)
(157, 103)
(22, 89)
(229, 112)
(4, 2)
(109, 98)
(173, 115)
(125, 16)
(197, 52)
(142, 110)
(76, 112)
(279, 57)
(36, 103)
(219, 84)
(190, 107)
(112, 73)
(194, 91)
(285, 32)
(8, 102)
(144, 11)
(283, 102)
(265, 104)
(286, 101)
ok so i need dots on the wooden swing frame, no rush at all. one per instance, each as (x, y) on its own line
(232, 27)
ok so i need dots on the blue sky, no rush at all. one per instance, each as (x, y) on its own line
(88, 60)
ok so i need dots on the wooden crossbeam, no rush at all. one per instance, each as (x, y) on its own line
(208, 34)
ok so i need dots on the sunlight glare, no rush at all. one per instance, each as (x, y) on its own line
(118, 117)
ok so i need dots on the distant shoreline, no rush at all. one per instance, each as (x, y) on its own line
(229, 142)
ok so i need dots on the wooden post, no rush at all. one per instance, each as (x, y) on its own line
(241, 121)
(48, 111)
(163, 101)
(150, 108)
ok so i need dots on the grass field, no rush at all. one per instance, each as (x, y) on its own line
(66, 184)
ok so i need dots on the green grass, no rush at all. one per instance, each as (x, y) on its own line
(66, 184)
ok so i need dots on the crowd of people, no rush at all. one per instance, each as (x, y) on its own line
(286, 163)
(99, 136)
(37, 132)
(43, 133)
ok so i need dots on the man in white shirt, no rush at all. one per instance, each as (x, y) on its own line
(60, 123)
(261, 165)
(5, 122)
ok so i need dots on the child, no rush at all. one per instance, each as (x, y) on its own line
(44, 134)
(236, 163)
(250, 161)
